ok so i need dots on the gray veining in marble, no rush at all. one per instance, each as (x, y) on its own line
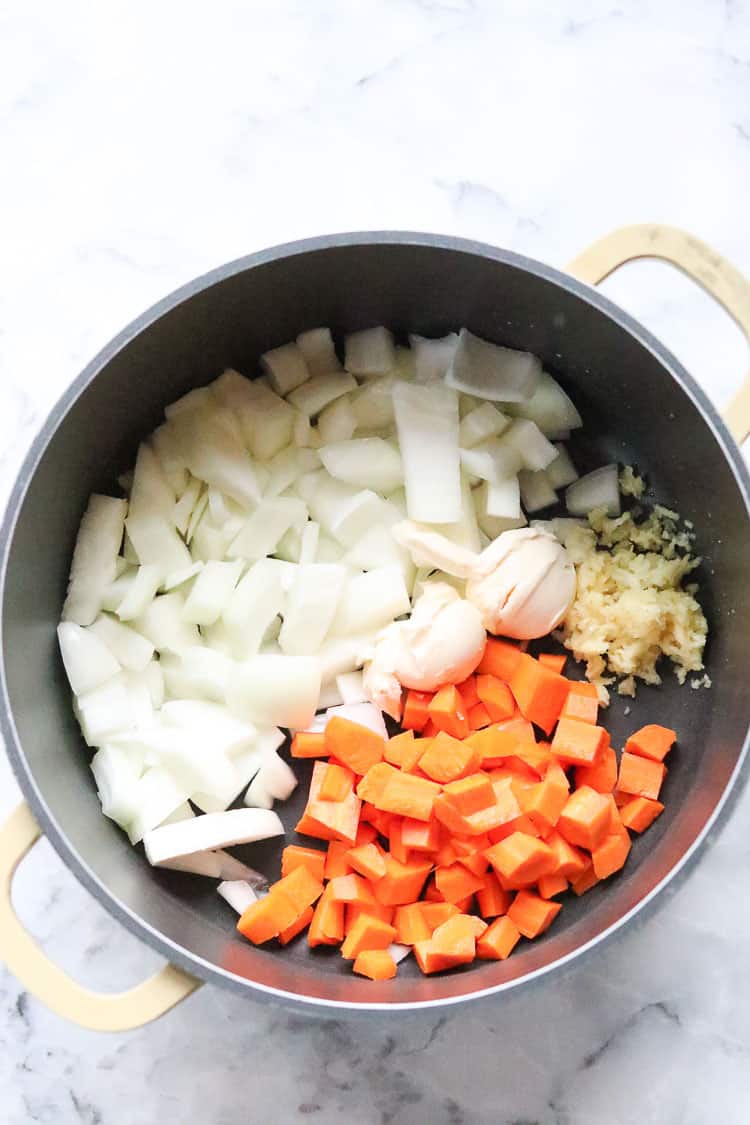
(144, 143)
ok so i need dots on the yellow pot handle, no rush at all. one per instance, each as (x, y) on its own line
(700, 262)
(118, 1011)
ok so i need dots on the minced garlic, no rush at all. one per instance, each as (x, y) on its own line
(632, 606)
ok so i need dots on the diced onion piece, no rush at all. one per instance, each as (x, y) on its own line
(131, 649)
(157, 795)
(182, 812)
(213, 830)
(493, 372)
(317, 392)
(157, 543)
(369, 352)
(494, 460)
(196, 516)
(268, 423)
(480, 424)
(432, 358)
(265, 527)
(93, 568)
(345, 654)
(561, 472)
(330, 696)
(105, 711)
(211, 592)
(87, 659)
(163, 623)
(116, 773)
(318, 349)
(351, 687)
(310, 607)
(377, 547)
(309, 543)
(210, 722)
(503, 499)
(599, 489)
(257, 796)
(366, 462)
(212, 445)
(154, 677)
(350, 520)
(536, 490)
(197, 673)
(140, 593)
(200, 398)
(534, 450)
(550, 408)
(428, 548)
(238, 894)
(399, 952)
(561, 527)
(151, 493)
(279, 690)
(372, 405)
(370, 601)
(277, 777)
(365, 714)
(180, 577)
(427, 423)
(183, 509)
(337, 422)
(283, 468)
(258, 598)
(286, 368)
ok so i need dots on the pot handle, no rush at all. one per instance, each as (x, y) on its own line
(700, 262)
(118, 1011)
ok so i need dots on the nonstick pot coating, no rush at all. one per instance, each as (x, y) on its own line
(638, 406)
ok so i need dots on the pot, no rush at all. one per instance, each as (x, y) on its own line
(639, 405)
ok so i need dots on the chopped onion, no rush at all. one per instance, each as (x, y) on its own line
(210, 723)
(105, 711)
(561, 472)
(286, 368)
(427, 423)
(494, 460)
(87, 659)
(560, 527)
(366, 462)
(180, 577)
(398, 952)
(157, 794)
(277, 777)
(319, 391)
(139, 593)
(369, 352)
(318, 349)
(370, 601)
(116, 773)
(599, 489)
(93, 568)
(311, 606)
(279, 690)
(489, 371)
(265, 527)
(535, 451)
(432, 358)
(549, 407)
(211, 592)
(351, 687)
(365, 714)
(256, 601)
(257, 796)
(212, 445)
(164, 625)
(480, 424)
(372, 405)
(238, 894)
(213, 830)
(377, 547)
(536, 490)
(337, 422)
(503, 499)
(434, 551)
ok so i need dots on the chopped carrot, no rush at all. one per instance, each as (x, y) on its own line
(448, 713)
(479, 717)
(492, 900)
(583, 687)
(532, 914)
(350, 888)
(551, 885)
(585, 881)
(578, 743)
(337, 862)
(611, 854)
(329, 820)
(367, 860)
(420, 835)
(602, 775)
(447, 758)
(416, 711)
(639, 813)
(581, 705)
(373, 783)
(354, 910)
(301, 923)
(356, 746)
(496, 697)
(309, 744)
(452, 943)
(544, 801)
(501, 740)
(429, 960)
(337, 783)
(539, 692)
(586, 818)
(499, 940)
(300, 887)
(367, 933)
(435, 913)
(521, 858)
(366, 834)
(409, 796)
(456, 882)
(469, 794)
(266, 918)
(327, 925)
(467, 689)
(477, 862)
(652, 741)
(640, 776)
(449, 816)
(402, 882)
(410, 924)
(571, 861)
(377, 964)
(430, 730)
(295, 856)
(552, 660)
(445, 855)
(395, 747)
(396, 845)
(500, 658)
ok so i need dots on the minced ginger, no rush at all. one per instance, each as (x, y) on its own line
(631, 606)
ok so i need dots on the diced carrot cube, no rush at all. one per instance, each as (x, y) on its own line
(456, 882)
(402, 882)
(544, 801)
(492, 900)
(309, 744)
(350, 888)
(337, 862)
(447, 758)
(377, 964)
(479, 717)
(585, 881)
(435, 913)
(416, 711)
(652, 741)
(367, 933)
(300, 886)
(521, 858)
(552, 660)
(295, 856)
(602, 775)
(467, 689)
(585, 820)
(266, 918)
(551, 885)
(367, 860)
(447, 711)
(469, 794)
(355, 746)
(396, 845)
(539, 692)
(410, 924)
(578, 743)
(532, 913)
(640, 776)
(327, 925)
(500, 658)
(571, 861)
(420, 835)
(355, 910)
(639, 813)
(477, 862)
(496, 697)
(499, 940)
(300, 924)
(611, 854)
(394, 749)
(337, 783)
(581, 705)
(409, 796)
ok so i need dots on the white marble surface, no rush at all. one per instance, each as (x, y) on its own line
(144, 143)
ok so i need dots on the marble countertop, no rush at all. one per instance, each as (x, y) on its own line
(145, 143)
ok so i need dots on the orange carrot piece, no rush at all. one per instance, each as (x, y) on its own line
(447, 758)
(544, 801)
(329, 820)
(456, 939)
(496, 697)
(467, 689)
(640, 812)
(602, 775)
(456, 882)
(367, 933)
(300, 886)
(585, 881)
(301, 923)
(350, 888)
(371, 786)
(586, 818)
(652, 741)
(377, 964)
(309, 744)
(501, 740)
(394, 749)
(410, 924)
(416, 711)
(449, 816)
(420, 835)
(492, 900)
(448, 713)
(409, 796)
(295, 856)
(402, 882)
(611, 854)
(570, 861)
(640, 776)
(267, 918)
(479, 717)
(355, 910)
(435, 913)
(337, 862)
(367, 860)
(551, 885)
(583, 687)
(539, 692)
(578, 743)
(499, 940)
(521, 859)
(580, 705)
(366, 834)
(500, 659)
(337, 783)
(477, 863)
(355, 746)
(396, 845)
(327, 925)
(552, 660)
(532, 914)
(470, 794)
(428, 959)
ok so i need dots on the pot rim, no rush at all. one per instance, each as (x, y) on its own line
(56, 834)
